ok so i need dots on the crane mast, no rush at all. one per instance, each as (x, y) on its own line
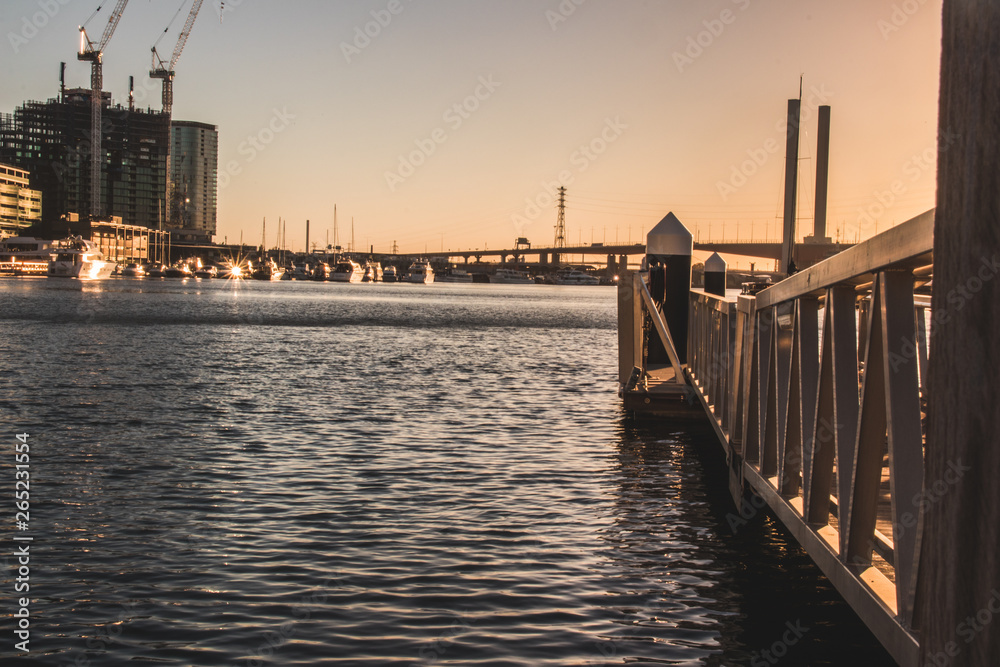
(93, 54)
(165, 71)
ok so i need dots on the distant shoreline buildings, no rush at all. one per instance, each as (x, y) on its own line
(48, 144)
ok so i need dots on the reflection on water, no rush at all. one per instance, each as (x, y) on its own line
(309, 474)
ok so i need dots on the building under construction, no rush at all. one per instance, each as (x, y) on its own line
(52, 140)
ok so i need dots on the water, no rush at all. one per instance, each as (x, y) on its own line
(312, 474)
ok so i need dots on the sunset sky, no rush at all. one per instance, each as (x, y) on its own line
(444, 123)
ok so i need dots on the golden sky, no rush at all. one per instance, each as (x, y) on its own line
(446, 123)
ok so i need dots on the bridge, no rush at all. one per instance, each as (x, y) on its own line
(804, 254)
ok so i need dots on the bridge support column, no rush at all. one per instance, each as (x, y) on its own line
(543, 258)
(622, 264)
(612, 267)
(555, 258)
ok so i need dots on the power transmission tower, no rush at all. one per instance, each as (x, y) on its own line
(561, 220)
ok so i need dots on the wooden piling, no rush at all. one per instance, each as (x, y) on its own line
(958, 593)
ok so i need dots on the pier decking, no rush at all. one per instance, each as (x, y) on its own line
(816, 390)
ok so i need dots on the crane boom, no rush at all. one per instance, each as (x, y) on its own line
(185, 32)
(94, 54)
(165, 71)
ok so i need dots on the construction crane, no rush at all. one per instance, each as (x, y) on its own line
(165, 71)
(93, 53)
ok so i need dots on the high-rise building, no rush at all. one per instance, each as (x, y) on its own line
(194, 160)
(52, 140)
(20, 206)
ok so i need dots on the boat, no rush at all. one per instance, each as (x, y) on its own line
(321, 272)
(347, 271)
(25, 256)
(574, 277)
(266, 269)
(79, 258)
(209, 271)
(505, 276)
(230, 270)
(178, 270)
(155, 270)
(453, 276)
(133, 271)
(389, 274)
(373, 272)
(420, 272)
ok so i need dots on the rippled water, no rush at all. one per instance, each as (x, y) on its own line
(311, 474)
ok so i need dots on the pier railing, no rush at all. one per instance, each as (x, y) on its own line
(815, 388)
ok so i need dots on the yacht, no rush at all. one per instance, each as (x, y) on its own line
(454, 276)
(178, 270)
(79, 258)
(210, 271)
(266, 269)
(511, 277)
(155, 270)
(420, 272)
(321, 272)
(373, 272)
(133, 271)
(25, 256)
(347, 271)
(389, 274)
(575, 277)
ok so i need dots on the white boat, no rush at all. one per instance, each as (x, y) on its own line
(575, 277)
(389, 274)
(25, 256)
(373, 272)
(266, 269)
(420, 272)
(511, 277)
(79, 258)
(347, 271)
(133, 271)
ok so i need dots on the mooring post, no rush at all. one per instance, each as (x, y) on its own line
(671, 245)
(715, 275)
(958, 589)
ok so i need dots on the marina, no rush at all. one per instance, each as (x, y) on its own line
(695, 363)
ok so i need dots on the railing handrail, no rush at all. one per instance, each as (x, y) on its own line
(909, 244)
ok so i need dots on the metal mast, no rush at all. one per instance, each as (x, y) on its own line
(561, 220)
(93, 53)
(165, 71)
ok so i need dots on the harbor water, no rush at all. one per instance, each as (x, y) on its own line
(295, 473)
